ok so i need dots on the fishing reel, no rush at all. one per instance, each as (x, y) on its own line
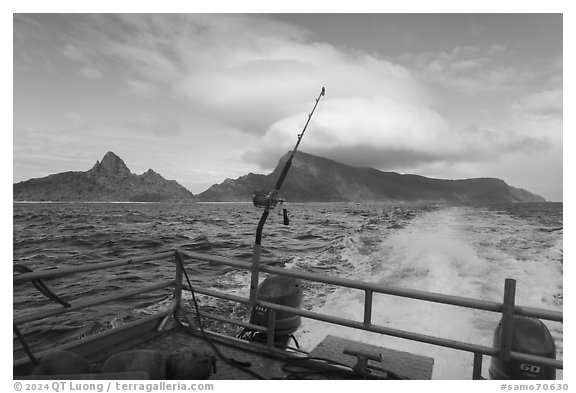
(269, 200)
(265, 199)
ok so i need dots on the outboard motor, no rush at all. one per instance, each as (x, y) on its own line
(285, 291)
(529, 336)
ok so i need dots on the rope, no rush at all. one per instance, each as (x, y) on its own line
(25, 344)
(44, 290)
(41, 287)
(230, 361)
(331, 369)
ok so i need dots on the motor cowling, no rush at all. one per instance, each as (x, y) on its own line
(529, 336)
(285, 291)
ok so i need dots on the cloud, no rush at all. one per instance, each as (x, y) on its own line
(142, 88)
(90, 73)
(542, 103)
(155, 124)
(75, 121)
(383, 133)
(255, 92)
(77, 53)
(149, 62)
(467, 69)
(248, 71)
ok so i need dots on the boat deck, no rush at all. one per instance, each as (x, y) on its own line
(269, 367)
(288, 364)
(405, 364)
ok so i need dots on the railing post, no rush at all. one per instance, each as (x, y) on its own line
(477, 368)
(507, 319)
(179, 259)
(368, 307)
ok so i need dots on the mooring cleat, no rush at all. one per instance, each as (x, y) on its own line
(361, 366)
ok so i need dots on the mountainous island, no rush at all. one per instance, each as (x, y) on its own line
(310, 179)
(313, 178)
(107, 181)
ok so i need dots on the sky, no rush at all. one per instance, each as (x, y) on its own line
(203, 97)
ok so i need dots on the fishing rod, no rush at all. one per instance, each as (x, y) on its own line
(268, 202)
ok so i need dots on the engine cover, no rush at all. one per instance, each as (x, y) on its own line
(532, 337)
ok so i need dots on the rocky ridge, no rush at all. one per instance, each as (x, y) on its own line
(108, 180)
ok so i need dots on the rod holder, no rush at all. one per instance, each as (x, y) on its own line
(255, 275)
(507, 319)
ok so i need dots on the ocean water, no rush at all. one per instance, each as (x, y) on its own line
(458, 250)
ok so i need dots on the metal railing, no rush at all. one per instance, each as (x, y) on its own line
(507, 308)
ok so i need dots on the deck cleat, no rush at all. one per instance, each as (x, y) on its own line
(361, 366)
